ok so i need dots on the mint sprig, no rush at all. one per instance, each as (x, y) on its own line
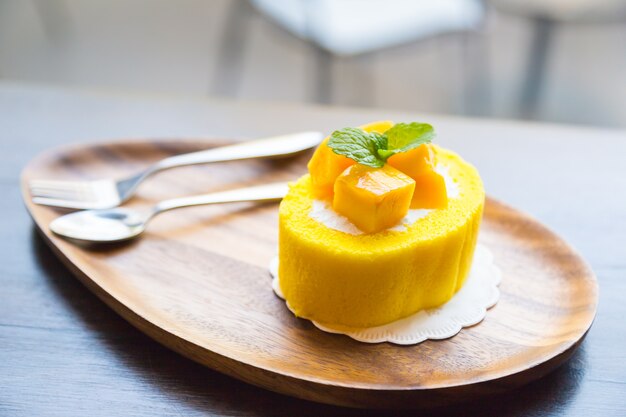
(373, 149)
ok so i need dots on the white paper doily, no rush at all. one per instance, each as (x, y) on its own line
(467, 308)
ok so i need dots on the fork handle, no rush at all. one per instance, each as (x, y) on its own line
(278, 146)
(259, 193)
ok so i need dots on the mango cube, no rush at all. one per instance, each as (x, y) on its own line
(430, 191)
(378, 127)
(414, 162)
(325, 165)
(373, 199)
(430, 187)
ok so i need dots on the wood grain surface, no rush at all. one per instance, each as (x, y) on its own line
(198, 283)
(63, 352)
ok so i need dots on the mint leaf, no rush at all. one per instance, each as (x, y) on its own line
(358, 145)
(403, 137)
(380, 140)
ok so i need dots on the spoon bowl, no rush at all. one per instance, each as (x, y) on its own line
(104, 226)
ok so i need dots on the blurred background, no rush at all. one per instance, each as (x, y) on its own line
(549, 60)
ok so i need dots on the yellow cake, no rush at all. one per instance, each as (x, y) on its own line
(341, 279)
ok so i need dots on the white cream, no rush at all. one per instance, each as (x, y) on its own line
(452, 188)
(324, 213)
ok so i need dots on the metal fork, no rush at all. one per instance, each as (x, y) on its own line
(108, 193)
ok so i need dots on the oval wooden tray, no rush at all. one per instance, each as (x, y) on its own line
(198, 283)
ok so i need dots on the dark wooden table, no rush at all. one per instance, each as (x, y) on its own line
(63, 352)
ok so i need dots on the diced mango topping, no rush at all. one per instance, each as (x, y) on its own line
(414, 162)
(378, 198)
(373, 199)
(430, 191)
(325, 165)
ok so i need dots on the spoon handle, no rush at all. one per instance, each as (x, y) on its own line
(268, 192)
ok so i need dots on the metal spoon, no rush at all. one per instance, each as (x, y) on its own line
(119, 224)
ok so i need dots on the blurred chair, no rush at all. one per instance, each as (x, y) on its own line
(545, 15)
(351, 27)
(348, 28)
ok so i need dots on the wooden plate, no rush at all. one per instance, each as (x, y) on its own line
(198, 283)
